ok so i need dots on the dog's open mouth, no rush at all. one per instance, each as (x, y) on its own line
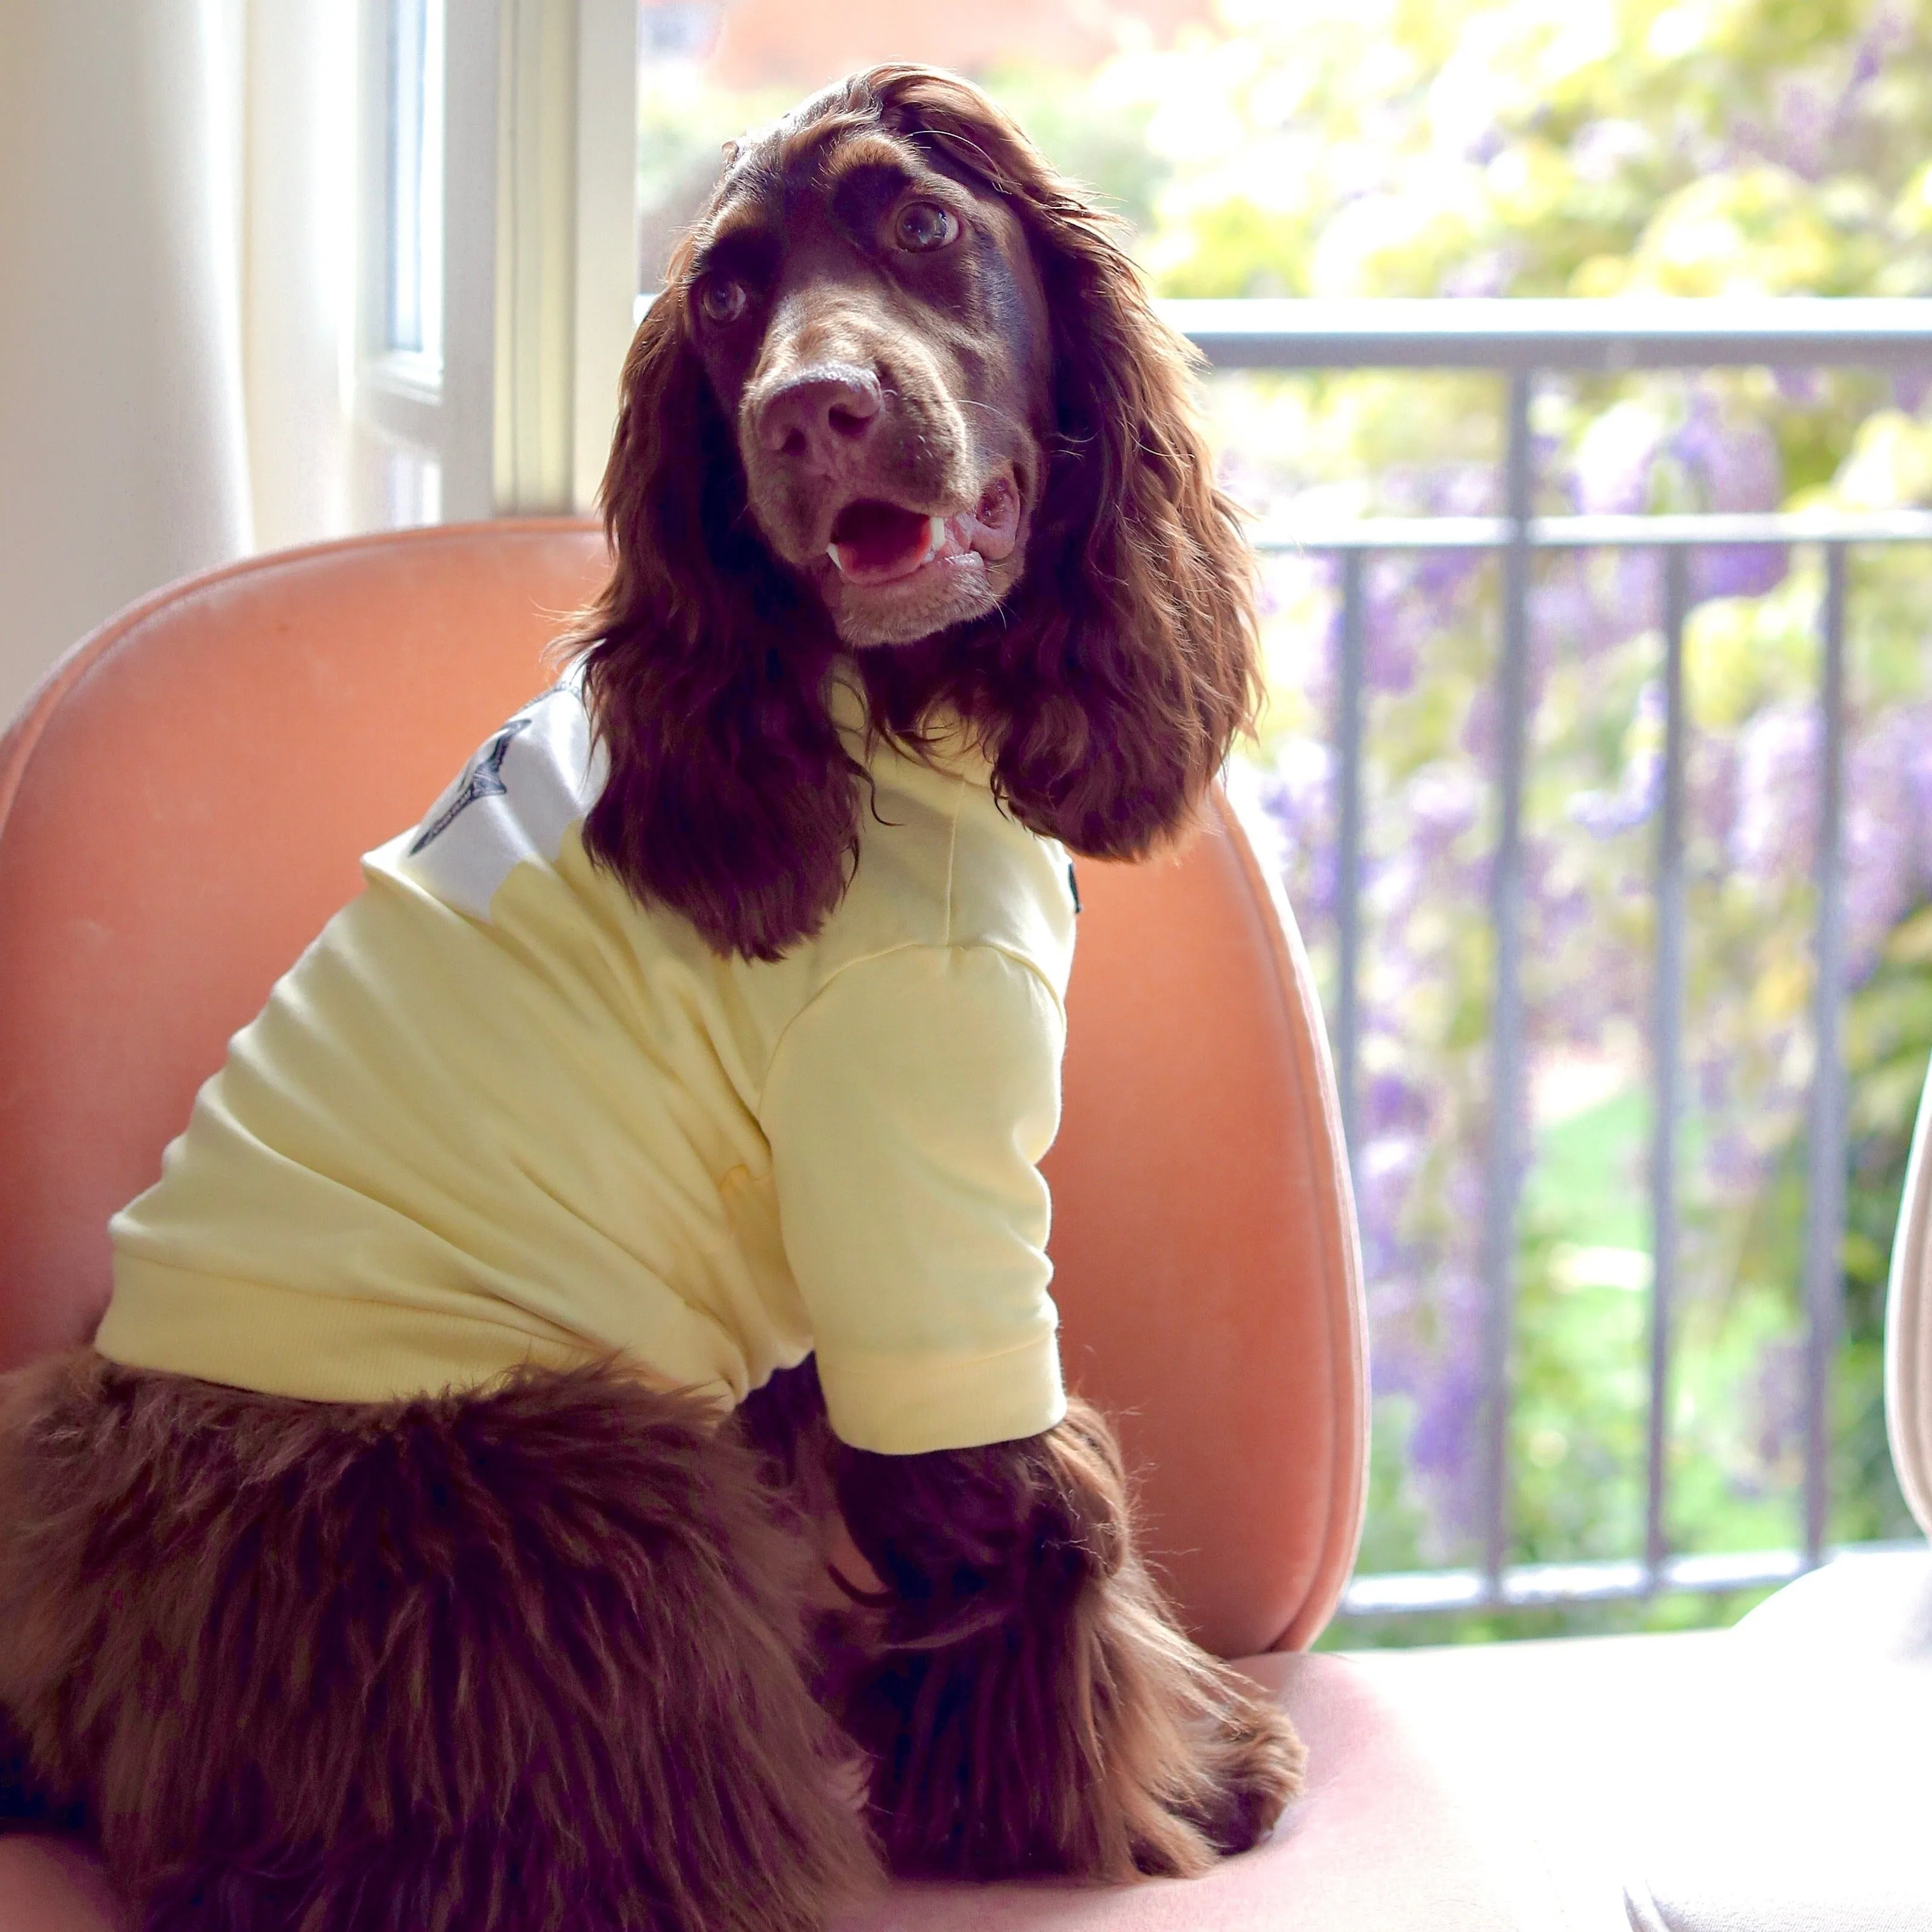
(874, 543)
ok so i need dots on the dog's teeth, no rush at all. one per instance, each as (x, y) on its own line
(936, 538)
(838, 562)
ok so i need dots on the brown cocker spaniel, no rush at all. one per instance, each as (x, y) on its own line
(561, 1652)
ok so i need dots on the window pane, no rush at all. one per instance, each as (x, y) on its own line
(414, 317)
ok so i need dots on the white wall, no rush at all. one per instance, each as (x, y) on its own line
(121, 453)
(299, 267)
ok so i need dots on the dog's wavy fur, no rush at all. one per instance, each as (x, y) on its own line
(1028, 1703)
(1014, 1625)
(524, 1662)
(1109, 686)
(536, 1658)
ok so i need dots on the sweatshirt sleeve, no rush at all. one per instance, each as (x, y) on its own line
(907, 1108)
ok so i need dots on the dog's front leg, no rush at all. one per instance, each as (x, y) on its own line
(1028, 1704)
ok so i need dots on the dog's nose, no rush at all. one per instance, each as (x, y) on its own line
(821, 416)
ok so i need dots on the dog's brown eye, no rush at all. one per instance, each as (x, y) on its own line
(924, 224)
(720, 300)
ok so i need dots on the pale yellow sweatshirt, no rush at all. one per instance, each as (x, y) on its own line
(498, 1113)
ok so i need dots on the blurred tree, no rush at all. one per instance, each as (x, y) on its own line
(1533, 147)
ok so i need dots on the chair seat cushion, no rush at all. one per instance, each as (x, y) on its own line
(1383, 1840)
(50, 1885)
(1797, 1795)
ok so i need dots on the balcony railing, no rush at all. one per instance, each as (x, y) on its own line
(1522, 340)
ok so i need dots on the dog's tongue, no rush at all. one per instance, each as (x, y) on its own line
(876, 542)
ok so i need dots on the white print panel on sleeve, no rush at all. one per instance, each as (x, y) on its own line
(514, 800)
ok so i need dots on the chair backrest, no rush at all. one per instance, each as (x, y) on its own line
(1908, 1326)
(182, 805)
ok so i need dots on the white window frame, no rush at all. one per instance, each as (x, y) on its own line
(538, 225)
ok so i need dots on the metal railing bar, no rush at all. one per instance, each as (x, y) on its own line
(1383, 533)
(1667, 1021)
(1501, 1178)
(1825, 1182)
(1523, 339)
(1403, 1593)
(1604, 533)
(1764, 526)
(1348, 840)
(1516, 333)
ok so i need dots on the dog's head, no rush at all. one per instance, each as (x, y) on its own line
(903, 398)
(872, 325)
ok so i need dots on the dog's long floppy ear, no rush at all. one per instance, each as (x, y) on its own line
(730, 798)
(1129, 662)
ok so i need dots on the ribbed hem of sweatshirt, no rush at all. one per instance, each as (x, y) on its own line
(323, 1347)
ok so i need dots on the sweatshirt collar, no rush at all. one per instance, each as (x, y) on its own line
(947, 743)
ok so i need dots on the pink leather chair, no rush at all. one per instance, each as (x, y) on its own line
(182, 806)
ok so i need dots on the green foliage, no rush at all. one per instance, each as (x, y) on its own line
(1616, 1616)
(1541, 147)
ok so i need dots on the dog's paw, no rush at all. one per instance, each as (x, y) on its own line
(1253, 1769)
(1027, 1699)
(1200, 1761)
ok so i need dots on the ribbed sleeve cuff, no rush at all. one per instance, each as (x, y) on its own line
(907, 1404)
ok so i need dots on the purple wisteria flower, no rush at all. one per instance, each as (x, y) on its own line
(1909, 389)
(1295, 796)
(1888, 832)
(1805, 113)
(1733, 467)
(1773, 834)
(1640, 786)
(1779, 1401)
